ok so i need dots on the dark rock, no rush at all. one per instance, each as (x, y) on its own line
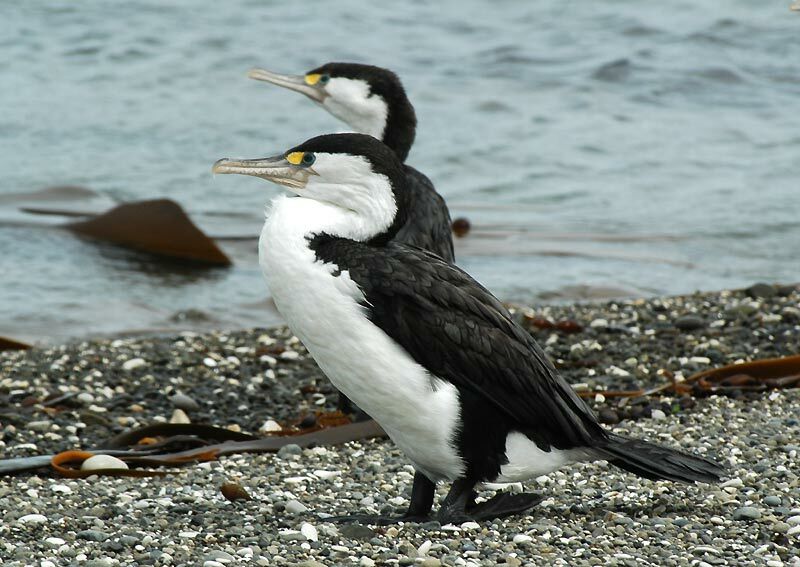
(689, 323)
(762, 290)
(92, 535)
(309, 420)
(608, 416)
(158, 226)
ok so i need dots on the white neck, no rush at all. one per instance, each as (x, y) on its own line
(299, 217)
(350, 101)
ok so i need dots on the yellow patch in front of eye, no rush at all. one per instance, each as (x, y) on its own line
(295, 158)
(313, 78)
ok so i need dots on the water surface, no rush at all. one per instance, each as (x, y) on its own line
(646, 148)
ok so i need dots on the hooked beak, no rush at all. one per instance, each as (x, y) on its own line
(276, 169)
(295, 83)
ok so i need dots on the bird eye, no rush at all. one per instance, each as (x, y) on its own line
(300, 158)
(324, 79)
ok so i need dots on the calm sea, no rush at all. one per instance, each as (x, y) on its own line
(598, 148)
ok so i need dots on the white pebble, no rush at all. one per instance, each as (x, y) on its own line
(793, 530)
(188, 535)
(736, 482)
(212, 564)
(133, 363)
(658, 415)
(103, 462)
(290, 355)
(617, 371)
(700, 360)
(270, 425)
(522, 538)
(210, 362)
(309, 531)
(793, 520)
(61, 488)
(179, 416)
(599, 323)
(325, 475)
(55, 541)
(366, 562)
(470, 526)
(47, 563)
(32, 519)
(425, 547)
(85, 398)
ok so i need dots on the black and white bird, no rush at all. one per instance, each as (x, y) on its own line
(429, 353)
(372, 100)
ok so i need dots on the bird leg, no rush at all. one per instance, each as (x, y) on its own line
(459, 505)
(419, 509)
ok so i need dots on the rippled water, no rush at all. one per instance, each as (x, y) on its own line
(643, 147)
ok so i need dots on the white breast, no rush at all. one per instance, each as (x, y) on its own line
(418, 412)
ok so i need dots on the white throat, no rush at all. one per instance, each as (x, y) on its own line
(346, 198)
(350, 101)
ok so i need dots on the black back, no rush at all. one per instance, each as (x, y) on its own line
(461, 333)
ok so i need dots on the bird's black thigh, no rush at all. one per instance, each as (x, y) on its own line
(422, 493)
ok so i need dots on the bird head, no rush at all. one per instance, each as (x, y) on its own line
(371, 100)
(354, 172)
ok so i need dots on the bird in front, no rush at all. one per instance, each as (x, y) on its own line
(429, 353)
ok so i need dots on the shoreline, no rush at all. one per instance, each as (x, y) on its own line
(241, 379)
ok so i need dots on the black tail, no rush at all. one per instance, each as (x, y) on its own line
(659, 463)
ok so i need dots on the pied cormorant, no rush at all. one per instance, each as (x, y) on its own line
(372, 100)
(428, 352)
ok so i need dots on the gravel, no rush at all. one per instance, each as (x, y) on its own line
(593, 513)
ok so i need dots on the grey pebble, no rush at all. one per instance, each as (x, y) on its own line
(746, 513)
(290, 450)
(762, 290)
(295, 507)
(356, 531)
(689, 323)
(773, 501)
(184, 402)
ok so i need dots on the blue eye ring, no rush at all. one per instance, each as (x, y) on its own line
(308, 159)
(324, 79)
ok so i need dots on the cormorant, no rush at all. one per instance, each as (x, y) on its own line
(428, 352)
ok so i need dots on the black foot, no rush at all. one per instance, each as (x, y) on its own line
(459, 505)
(503, 505)
(376, 519)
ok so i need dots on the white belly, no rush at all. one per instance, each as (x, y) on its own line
(526, 460)
(418, 412)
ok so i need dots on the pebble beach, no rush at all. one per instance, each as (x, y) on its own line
(79, 394)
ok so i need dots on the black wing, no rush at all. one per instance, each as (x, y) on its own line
(428, 224)
(460, 332)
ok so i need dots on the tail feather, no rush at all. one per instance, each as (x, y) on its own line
(659, 463)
